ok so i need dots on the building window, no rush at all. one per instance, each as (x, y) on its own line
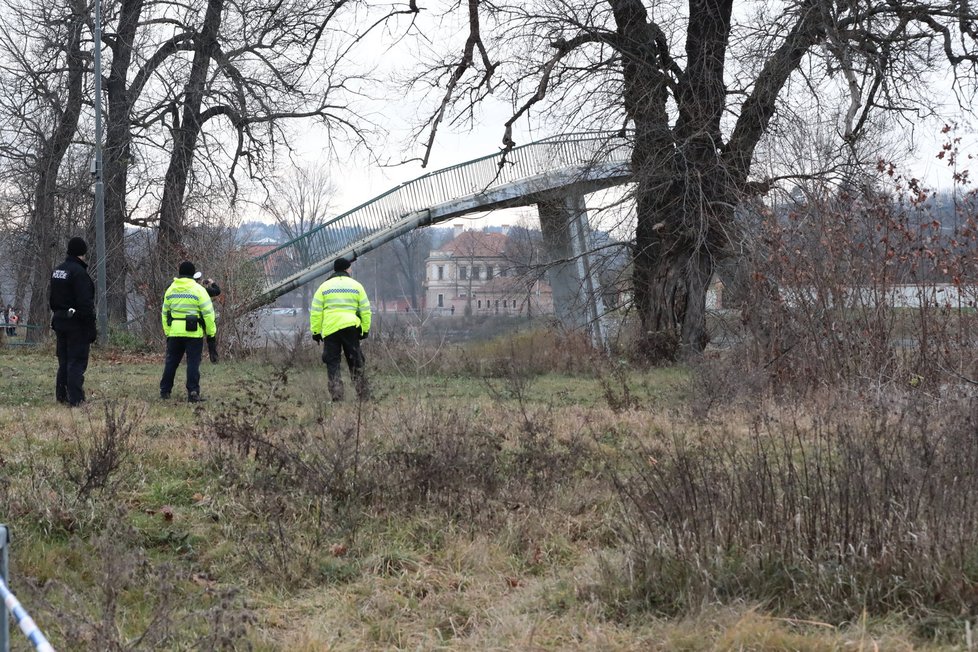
(475, 273)
(480, 304)
(463, 272)
(488, 272)
(441, 273)
(441, 299)
(503, 271)
(504, 303)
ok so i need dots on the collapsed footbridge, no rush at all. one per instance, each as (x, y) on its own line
(555, 174)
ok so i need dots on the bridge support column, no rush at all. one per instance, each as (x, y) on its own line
(572, 274)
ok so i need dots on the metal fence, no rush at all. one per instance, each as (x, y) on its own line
(384, 212)
(18, 334)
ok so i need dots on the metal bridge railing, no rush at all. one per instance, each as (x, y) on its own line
(480, 175)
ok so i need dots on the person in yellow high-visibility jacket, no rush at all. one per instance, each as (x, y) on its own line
(188, 315)
(340, 318)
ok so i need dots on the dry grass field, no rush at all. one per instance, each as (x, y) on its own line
(509, 496)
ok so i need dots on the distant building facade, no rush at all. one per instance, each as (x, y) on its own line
(473, 275)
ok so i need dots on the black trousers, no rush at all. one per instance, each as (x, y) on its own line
(346, 342)
(176, 347)
(73, 349)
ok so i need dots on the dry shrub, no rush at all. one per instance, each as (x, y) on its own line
(616, 387)
(730, 381)
(823, 514)
(466, 463)
(653, 348)
(453, 459)
(297, 487)
(411, 345)
(92, 460)
(410, 350)
(835, 278)
(304, 486)
(537, 352)
(447, 459)
(71, 498)
(98, 615)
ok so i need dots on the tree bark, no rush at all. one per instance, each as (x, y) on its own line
(683, 227)
(118, 152)
(50, 155)
(688, 179)
(185, 136)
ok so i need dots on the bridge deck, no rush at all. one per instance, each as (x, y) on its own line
(587, 162)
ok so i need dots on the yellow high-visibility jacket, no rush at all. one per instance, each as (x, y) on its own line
(187, 298)
(340, 302)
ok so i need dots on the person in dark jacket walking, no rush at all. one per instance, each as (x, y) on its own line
(213, 290)
(71, 296)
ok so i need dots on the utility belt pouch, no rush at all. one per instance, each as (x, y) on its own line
(169, 318)
(191, 323)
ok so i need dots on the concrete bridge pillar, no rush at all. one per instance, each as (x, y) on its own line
(572, 275)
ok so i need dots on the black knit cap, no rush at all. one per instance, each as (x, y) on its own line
(187, 268)
(77, 247)
(341, 265)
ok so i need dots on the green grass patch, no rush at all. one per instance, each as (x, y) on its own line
(472, 508)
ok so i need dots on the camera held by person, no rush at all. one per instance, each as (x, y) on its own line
(213, 289)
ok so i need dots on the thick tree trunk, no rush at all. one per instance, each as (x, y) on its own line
(683, 193)
(676, 318)
(118, 151)
(25, 275)
(44, 245)
(673, 266)
(185, 137)
(684, 217)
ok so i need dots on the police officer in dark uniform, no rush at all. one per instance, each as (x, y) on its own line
(213, 290)
(71, 296)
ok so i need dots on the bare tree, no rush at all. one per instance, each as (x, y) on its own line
(124, 89)
(300, 202)
(699, 85)
(525, 262)
(257, 66)
(43, 71)
(199, 96)
(410, 251)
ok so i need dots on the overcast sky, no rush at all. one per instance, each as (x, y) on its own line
(358, 178)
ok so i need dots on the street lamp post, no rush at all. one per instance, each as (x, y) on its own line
(102, 306)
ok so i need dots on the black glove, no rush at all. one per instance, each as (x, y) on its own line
(212, 349)
(363, 335)
(317, 338)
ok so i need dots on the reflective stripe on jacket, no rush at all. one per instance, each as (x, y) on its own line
(340, 302)
(186, 298)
